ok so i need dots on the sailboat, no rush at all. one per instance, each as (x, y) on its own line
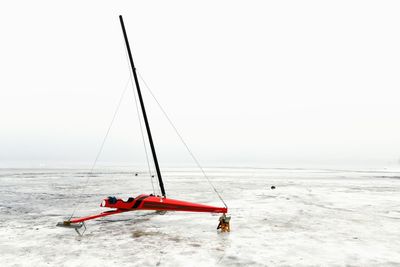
(153, 202)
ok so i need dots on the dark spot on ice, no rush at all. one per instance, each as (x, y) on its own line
(136, 174)
(195, 245)
(355, 237)
(273, 187)
(139, 233)
(174, 238)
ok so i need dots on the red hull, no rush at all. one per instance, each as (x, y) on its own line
(149, 202)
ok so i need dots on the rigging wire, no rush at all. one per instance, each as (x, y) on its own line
(182, 140)
(140, 123)
(101, 148)
(144, 140)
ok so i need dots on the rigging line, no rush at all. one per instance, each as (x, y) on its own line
(140, 123)
(101, 147)
(144, 141)
(182, 140)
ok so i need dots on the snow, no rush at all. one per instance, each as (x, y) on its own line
(312, 218)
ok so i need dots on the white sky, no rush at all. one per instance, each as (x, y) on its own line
(262, 83)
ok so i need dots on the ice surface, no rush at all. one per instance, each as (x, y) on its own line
(312, 218)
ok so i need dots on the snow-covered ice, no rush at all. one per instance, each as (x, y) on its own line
(312, 218)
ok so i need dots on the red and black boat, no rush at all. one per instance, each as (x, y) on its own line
(144, 201)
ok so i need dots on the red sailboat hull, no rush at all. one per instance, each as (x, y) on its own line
(149, 202)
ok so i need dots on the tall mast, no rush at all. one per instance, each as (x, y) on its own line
(146, 122)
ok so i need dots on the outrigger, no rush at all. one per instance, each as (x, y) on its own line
(145, 201)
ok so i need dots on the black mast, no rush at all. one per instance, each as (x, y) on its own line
(153, 151)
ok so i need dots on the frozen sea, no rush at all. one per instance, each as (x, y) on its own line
(314, 217)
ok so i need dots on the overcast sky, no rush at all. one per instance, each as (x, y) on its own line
(264, 83)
